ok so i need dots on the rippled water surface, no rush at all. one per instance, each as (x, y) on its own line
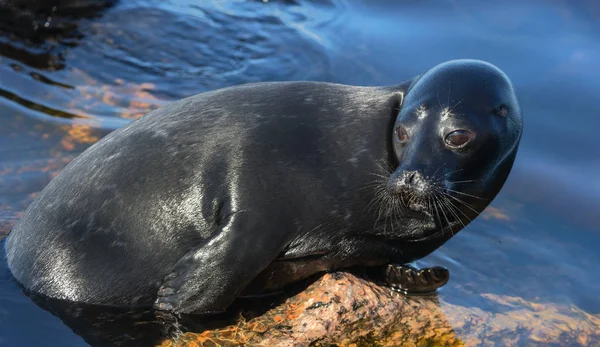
(525, 272)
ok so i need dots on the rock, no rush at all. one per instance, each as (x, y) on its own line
(339, 309)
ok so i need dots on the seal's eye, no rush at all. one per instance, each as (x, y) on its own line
(402, 134)
(458, 138)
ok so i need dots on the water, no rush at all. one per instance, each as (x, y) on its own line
(531, 258)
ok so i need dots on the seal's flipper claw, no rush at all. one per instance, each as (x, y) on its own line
(411, 281)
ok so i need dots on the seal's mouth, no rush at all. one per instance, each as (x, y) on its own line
(414, 207)
(417, 211)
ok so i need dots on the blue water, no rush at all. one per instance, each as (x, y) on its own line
(541, 241)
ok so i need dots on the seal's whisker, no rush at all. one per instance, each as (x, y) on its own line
(451, 209)
(376, 201)
(395, 213)
(379, 209)
(372, 185)
(466, 181)
(455, 171)
(397, 209)
(389, 204)
(454, 207)
(383, 177)
(379, 194)
(385, 166)
(458, 103)
(411, 199)
(383, 210)
(456, 217)
(464, 203)
(429, 205)
(389, 165)
(446, 217)
(469, 195)
(444, 202)
(437, 213)
(438, 169)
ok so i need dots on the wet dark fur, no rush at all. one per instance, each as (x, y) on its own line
(266, 183)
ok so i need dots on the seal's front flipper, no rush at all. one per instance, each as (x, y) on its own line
(411, 281)
(209, 277)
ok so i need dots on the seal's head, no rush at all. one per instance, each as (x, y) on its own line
(454, 143)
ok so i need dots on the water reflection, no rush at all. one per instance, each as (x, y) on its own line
(530, 259)
(178, 49)
(36, 32)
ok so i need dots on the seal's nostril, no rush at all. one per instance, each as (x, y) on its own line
(410, 178)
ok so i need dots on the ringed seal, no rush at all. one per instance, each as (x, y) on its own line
(249, 188)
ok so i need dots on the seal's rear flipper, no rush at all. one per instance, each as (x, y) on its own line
(411, 281)
(209, 277)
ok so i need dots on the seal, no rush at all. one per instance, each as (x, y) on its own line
(250, 188)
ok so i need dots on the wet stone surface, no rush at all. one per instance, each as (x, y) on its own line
(344, 310)
(338, 308)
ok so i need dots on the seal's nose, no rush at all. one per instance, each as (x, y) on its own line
(408, 182)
